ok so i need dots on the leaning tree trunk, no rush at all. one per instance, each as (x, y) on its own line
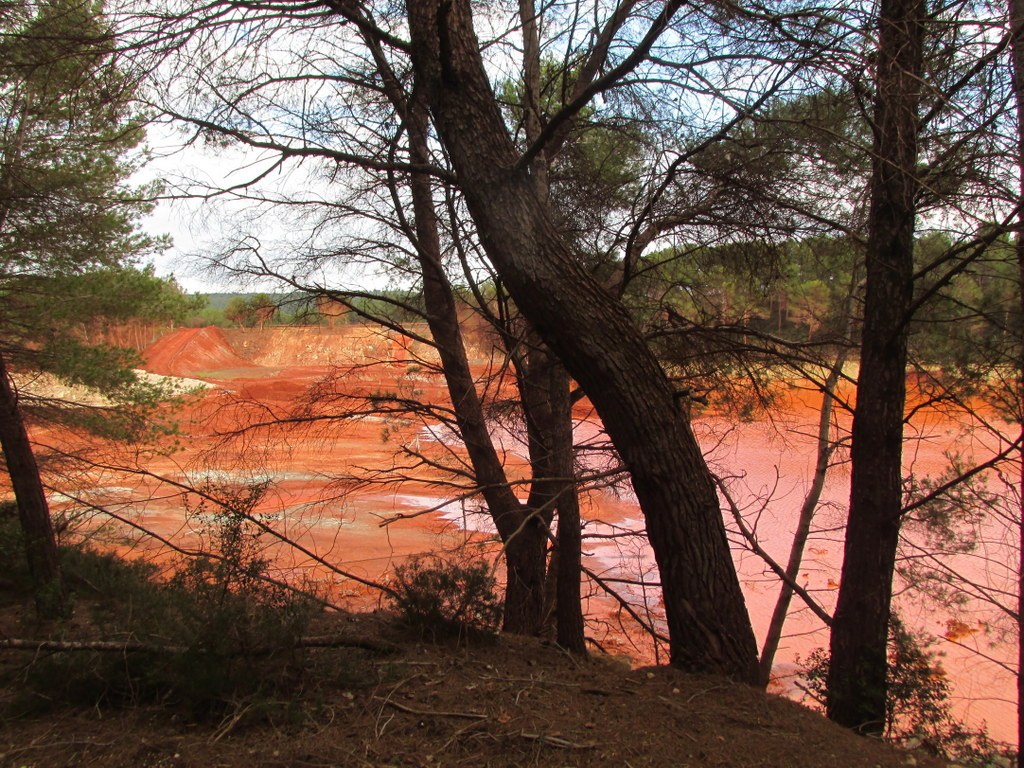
(523, 535)
(33, 510)
(857, 680)
(594, 336)
(522, 532)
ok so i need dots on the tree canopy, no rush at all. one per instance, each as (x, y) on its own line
(69, 240)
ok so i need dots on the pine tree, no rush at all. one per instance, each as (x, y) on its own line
(68, 231)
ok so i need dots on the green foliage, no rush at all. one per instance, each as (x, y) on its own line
(397, 306)
(111, 581)
(209, 316)
(447, 598)
(70, 241)
(79, 309)
(239, 628)
(973, 323)
(715, 315)
(69, 131)
(948, 509)
(598, 170)
(231, 582)
(237, 312)
(799, 290)
(12, 549)
(250, 312)
(222, 635)
(955, 517)
(298, 308)
(796, 289)
(918, 710)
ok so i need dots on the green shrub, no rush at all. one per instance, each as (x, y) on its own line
(222, 634)
(12, 549)
(447, 598)
(918, 709)
(238, 629)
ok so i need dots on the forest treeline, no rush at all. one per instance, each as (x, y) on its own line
(796, 291)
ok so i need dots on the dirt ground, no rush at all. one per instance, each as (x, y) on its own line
(508, 702)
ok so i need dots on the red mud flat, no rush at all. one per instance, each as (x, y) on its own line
(333, 488)
(266, 417)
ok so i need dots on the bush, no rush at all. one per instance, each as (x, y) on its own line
(238, 630)
(12, 549)
(447, 598)
(918, 710)
(221, 633)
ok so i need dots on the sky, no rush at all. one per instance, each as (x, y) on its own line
(195, 225)
(183, 220)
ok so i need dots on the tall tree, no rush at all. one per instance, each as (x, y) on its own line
(1016, 18)
(636, 399)
(596, 340)
(858, 667)
(67, 131)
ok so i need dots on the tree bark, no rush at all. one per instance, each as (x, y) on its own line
(33, 509)
(523, 534)
(595, 338)
(1015, 14)
(544, 385)
(857, 681)
(545, 392)
(803, 529)
(569, 542)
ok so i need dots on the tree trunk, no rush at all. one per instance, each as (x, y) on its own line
(524, 535)
(595, 338)
(803, 528)
(545, 392)
(569, 610)
(33, 510)
(1015, 13)
(1020, 548)
(544, 385)
(857, 680)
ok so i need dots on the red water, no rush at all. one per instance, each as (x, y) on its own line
(334, 488)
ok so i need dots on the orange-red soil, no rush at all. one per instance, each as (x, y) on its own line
(360, 491)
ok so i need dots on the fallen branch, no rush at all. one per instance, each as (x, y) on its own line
(103, 646)
(135, 646)
(229, 723)
(347, 641)
(557, 741)
(431, 713)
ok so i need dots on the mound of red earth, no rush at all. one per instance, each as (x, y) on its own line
(195, 352)
(280, 364)
(269, 414)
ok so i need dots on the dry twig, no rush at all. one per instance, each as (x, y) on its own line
(123, 646)
(557, 741)
(431, 713)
